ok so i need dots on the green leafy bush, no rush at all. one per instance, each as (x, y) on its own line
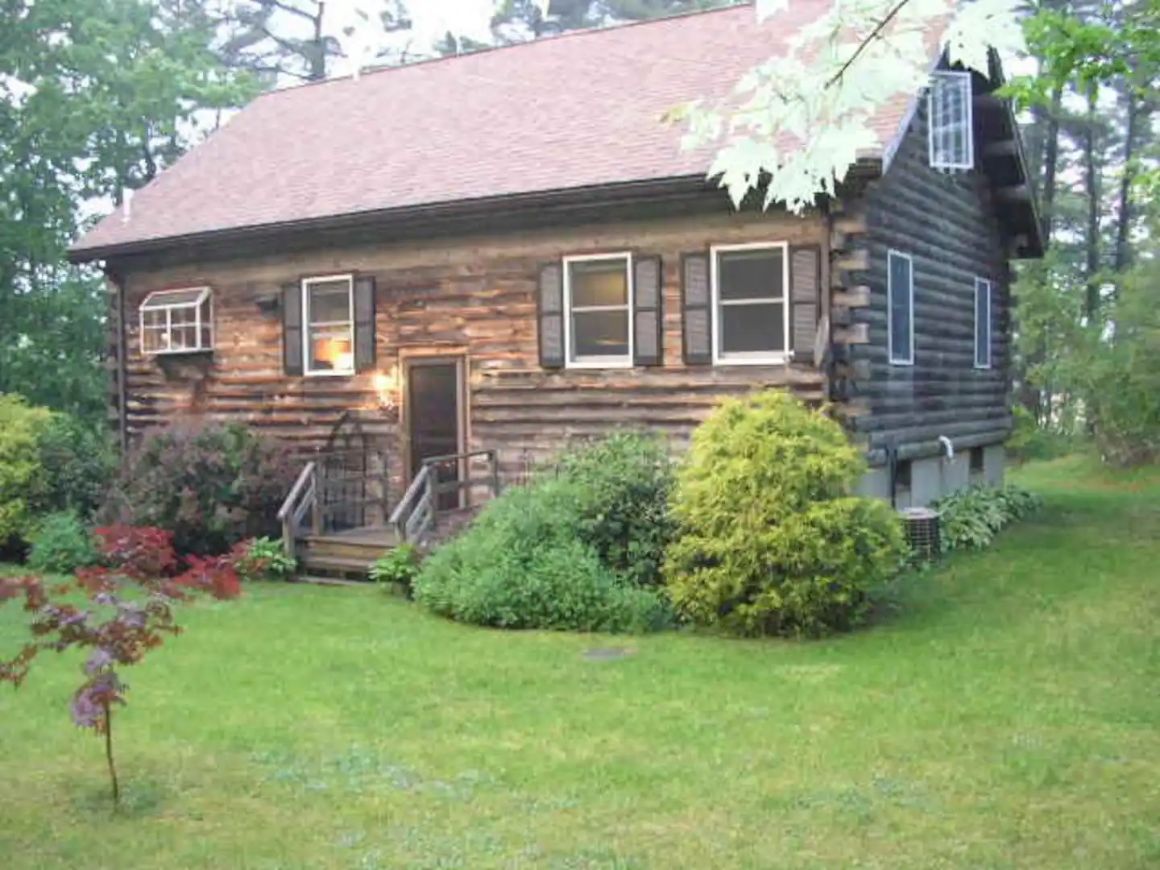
(623, 484)
(21, 429)
(523, 564)
(210, 485)
(397, 568)
(78, 462)
(263, 559)
(769, 539)
(971, 517)
(62, 543)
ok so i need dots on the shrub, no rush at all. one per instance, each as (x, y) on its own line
(971, 517)
(210, 485)
(78, 463)
(397, 568)
(523, 564)
(61, 544)
(21, 428)
(623, 485)
(263, 559)
(769, 539)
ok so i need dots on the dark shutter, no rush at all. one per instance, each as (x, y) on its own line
(364, 324)
(292, 328)
(805, 280)
(647, 314)
(696, 309)
(550, 308)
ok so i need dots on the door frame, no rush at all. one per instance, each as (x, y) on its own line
(413, 359)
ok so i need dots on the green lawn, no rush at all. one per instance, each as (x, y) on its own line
(1004, 713)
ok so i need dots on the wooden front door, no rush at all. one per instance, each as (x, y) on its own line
(435, 417)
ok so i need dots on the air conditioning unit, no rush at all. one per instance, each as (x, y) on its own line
(921, 525)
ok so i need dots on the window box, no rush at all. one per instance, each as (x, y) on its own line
(177, 321)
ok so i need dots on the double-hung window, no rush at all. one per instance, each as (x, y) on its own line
(952, 143)
(751, 312)
(900, 307)
(328, 315)
(597, 309)
(177, 321)
(982, 323)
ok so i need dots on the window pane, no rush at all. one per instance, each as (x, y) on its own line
(153, 339)
(330, 350)
(599, 282)
(753, 328)
(599, 333)
(183, 316)
(329, 301)
(750, 274)
(900, 313)
(183, 338)
(982, 324)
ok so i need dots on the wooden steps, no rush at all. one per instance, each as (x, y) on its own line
(346, 555)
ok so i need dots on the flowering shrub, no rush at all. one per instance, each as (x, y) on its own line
(128, 611)
(210, 485)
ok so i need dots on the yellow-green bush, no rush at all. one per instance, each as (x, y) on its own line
(21, 428)
(770, 541)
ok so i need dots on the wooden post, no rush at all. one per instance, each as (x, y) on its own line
(493, 455)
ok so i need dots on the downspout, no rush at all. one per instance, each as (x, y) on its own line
(114, 282)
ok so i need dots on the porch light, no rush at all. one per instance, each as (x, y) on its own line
(387, 389)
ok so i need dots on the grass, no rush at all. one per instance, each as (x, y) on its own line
(1004, 714)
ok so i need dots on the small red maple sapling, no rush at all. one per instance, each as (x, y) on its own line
(127, 610)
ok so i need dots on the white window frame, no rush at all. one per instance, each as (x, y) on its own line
(936, 159)
(206, 293)
(619, 361)
(890, 291)
(307, 283)
(986, 362)
(748, 358)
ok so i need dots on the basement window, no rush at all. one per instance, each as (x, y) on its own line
(177, 321)
(952, 143)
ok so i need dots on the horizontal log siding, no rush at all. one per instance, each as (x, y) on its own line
(472, 295)
(947, 223)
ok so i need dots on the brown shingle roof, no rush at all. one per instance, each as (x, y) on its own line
(570, 111)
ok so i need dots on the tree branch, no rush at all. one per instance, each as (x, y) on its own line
(876, 33)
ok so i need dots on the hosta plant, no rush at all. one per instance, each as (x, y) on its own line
(115, 614)
(263, 559)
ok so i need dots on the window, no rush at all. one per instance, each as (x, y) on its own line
(328, 313)
(976, 467)
(952, 143)
(900, 302)
(751, 317)
(177, 321)
(597, 305)
(982, 323)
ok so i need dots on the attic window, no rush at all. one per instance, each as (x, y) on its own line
(952, 143)
(177, 321)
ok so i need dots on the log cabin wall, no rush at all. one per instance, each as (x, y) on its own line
(473, 295)
(948, 224)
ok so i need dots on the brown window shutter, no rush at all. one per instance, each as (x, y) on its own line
(292, 328)
(805, 280)
(550, 311)
(647, 311)
(696, 309)
(364, 323)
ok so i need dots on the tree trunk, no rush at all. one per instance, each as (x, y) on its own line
(1123, 255)
(1051, 159)
(109, 756)
(1092, 189)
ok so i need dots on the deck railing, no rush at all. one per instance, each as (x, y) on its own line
(417, 512)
